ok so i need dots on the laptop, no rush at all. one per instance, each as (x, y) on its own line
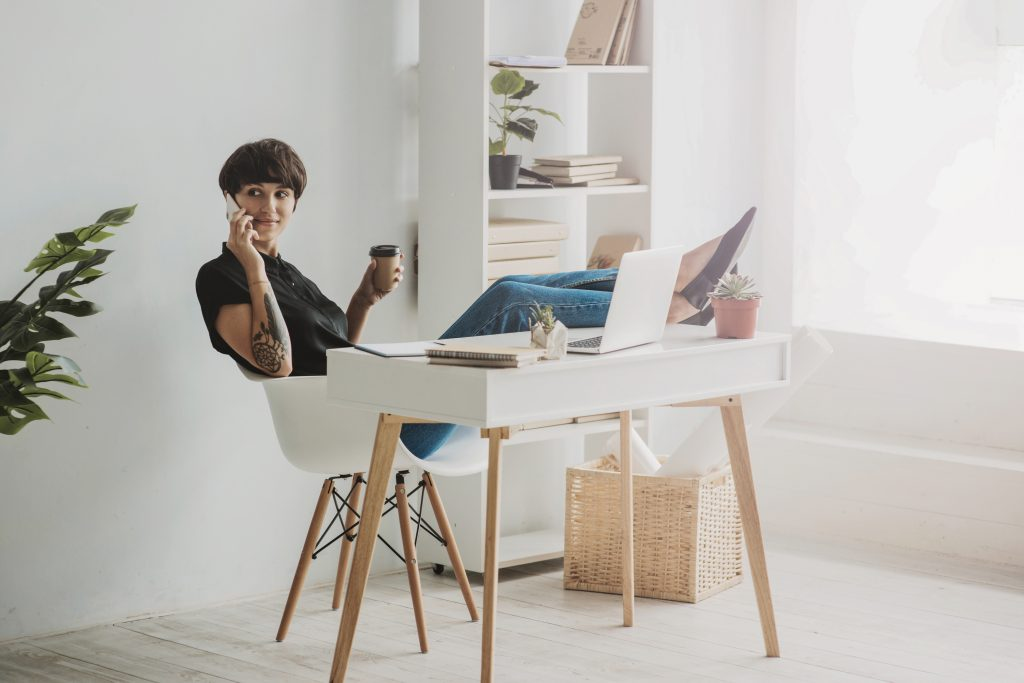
(640, 301)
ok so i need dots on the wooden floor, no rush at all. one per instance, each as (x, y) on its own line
(842, 617)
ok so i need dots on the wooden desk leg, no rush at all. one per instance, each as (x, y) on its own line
(491, 554)
(626, 506)
(377, 483)
(739, 456)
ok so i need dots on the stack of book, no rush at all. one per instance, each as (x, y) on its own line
(581, 170)
(603, 33)
(482, 355)
(523, 246)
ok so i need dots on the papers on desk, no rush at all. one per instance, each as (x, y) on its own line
(397, 349)
(528, 61)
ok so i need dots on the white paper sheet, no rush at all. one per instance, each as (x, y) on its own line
(397, 349)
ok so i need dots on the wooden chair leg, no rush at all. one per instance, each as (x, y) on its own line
(354, 493)
(411, 566)
(450, 545)
(305, 558)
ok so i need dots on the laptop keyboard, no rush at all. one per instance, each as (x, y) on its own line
(589, 343)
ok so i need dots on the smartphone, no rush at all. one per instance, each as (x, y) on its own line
(230, 204)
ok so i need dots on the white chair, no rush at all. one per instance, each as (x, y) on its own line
(323, 438)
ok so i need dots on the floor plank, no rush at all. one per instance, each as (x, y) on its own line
(843, 616)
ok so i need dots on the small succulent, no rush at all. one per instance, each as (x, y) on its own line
(735, 286)
(545, 315)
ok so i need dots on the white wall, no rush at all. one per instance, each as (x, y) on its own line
(709, 147)
(163, 487)
(891, 113)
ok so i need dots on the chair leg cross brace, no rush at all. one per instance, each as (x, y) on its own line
(392, 505)
(348, 504)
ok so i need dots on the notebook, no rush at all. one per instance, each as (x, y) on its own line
(483, 355)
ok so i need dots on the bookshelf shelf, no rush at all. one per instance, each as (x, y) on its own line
(580, 69)
(530, 193)
(606, 110)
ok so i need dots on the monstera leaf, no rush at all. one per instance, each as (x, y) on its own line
(514, 119)
(26, 328)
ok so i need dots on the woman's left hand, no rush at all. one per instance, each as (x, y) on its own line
(368, 293)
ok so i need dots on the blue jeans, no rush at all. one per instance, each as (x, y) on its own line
(579, 299)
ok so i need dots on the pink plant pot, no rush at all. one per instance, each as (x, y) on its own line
(735, 319)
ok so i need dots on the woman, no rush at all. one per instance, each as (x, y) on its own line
(264, 313)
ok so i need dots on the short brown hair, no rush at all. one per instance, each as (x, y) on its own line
(263, 161)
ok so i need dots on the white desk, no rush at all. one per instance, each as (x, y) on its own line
(689, 367)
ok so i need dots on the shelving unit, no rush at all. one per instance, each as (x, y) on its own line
(581, 69)
(544, 193)
(606, 110)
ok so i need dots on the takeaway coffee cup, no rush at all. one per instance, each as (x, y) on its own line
(387, 257)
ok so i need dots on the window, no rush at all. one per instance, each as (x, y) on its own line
(909, 179)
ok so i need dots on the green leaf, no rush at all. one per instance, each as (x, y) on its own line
(117, 215)
(546, 112)
(9, 309)
(21, 377)
(527, 89)
(65, 363)
(100, 235)
(525, 129)
(495, 147)
(79, 309)
(38, 362)
(94, 232)
(507, 82)
(87, 280)
(13, 419)
(41, 329)
(68, 239)
(47, 368)
(41, 391)
(65, 246)
(11, 396)
(54, 254)
(12, 355)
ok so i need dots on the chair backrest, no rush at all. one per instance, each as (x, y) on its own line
(315, 435)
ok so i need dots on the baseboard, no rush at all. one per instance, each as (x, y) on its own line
(824, 483)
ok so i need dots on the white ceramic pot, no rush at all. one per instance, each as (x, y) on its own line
(554, 342)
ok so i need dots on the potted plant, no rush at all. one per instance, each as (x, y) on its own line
(548, 333)
(25, 327)
(735, 302)
(512, 118)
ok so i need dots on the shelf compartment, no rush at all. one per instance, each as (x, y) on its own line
(534, 546)
(580, 69)
(531, 193)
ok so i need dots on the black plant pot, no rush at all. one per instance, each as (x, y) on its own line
(504, 171)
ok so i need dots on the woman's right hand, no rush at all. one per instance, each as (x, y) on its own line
(240, 237)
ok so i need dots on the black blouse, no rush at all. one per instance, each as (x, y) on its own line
(315, 323)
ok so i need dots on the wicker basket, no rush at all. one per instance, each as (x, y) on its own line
(687, 536)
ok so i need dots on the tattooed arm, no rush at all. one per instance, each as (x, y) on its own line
(257, 331)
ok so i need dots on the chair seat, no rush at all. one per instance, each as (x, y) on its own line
(464, 453)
